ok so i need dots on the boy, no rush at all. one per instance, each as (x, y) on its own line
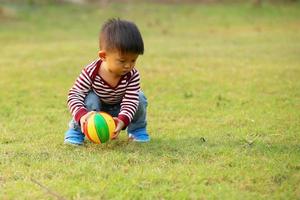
(111, 84)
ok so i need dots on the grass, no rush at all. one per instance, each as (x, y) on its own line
(223, 87)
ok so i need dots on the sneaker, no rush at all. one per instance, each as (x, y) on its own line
(139, 135)
(74, 137)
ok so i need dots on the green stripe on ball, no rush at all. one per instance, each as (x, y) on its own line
(101, 128)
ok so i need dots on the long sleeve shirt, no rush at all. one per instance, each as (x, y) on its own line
(126, 92)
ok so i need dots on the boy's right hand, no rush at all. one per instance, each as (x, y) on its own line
(84, 119)
(119, 127)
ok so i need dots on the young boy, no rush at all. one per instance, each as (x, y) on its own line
(111, 84)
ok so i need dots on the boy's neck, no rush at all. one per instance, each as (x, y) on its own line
(106, 73)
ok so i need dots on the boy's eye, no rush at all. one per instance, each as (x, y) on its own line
(121, 61)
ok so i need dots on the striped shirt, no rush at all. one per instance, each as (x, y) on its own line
(126, 93)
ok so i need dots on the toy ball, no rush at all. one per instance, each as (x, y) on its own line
(99, 127)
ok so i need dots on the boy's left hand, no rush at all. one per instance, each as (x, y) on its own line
(119, 126)
(84, 119)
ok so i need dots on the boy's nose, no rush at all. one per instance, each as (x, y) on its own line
(127, 66)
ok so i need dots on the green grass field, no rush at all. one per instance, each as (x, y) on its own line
(223, 85)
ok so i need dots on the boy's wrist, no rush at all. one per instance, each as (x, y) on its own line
(124, 119)
(81, 112)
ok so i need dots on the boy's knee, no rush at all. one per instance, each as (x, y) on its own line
(140, 115)
(143, 103)
(92, 102)
(142, 99)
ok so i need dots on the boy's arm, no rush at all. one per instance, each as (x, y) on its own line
(130, 100)
(78, 93)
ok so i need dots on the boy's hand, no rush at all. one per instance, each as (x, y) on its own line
(119, 126)
(84, 119)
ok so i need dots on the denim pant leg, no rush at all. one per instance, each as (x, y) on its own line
(139, 119)
(92, 103)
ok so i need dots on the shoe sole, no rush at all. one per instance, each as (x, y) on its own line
(72, 143)
(140, 141)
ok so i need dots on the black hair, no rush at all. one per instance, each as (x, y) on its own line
(121, 35)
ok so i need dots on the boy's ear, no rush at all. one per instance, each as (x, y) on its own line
(102, 54)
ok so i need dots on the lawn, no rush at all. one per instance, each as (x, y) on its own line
(223, 85)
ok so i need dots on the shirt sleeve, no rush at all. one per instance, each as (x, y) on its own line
(78, 93)
(130, 100)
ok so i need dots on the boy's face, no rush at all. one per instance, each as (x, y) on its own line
(117, 63)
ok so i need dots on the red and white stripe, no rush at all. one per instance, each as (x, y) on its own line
(126, 92)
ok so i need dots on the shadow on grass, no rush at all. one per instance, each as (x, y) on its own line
(194, 146)
(193, 150)
(156, 147)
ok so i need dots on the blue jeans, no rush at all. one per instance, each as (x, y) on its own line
(93, 103)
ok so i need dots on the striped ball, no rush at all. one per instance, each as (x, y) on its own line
(100, 127)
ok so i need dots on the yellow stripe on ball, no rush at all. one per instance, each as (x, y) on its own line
(92, 130)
